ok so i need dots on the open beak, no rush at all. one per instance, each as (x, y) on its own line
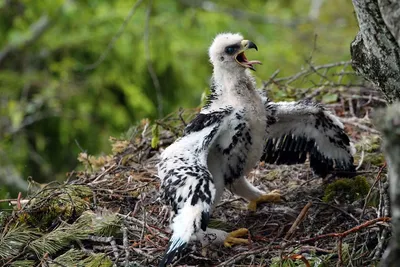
(241, 58)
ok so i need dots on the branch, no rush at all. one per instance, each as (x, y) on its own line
(241, 14)
(150, 68)
(115, 38)
(35, 32)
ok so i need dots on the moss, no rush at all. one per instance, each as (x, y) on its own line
(350, 189)
(369, 143)
(51, 206)
(374, 158)
(23, 263)
(74, 257)
(371, 146)
(3, 217)
(273, 174)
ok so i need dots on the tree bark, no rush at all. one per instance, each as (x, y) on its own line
(376, 56)
(375, 51)
(389, 123)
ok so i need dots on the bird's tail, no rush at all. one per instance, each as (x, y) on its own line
(189, 220)
(175, 247)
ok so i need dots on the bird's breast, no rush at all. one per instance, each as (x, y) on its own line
(240, 145)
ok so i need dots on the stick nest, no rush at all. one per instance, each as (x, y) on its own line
(109, 214)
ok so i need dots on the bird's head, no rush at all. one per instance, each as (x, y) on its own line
(227, 51)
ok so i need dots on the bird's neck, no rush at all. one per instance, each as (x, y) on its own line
(236, 81)
(230, 88)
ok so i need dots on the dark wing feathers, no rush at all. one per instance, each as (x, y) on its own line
(203, 120)
(302, 129)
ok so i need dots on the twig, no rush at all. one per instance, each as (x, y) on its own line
(150, 68)
(100, 239)
(384, 208)
(228, 202)
(36, 31)
(298, 220)
(326, 226)
(115, 37)
(181, 110)
(299, 257)
(341, 210)
(96, 180)
(126, 244)
(351, 107)
(353, 122)
(143, 227)
(296, 76)
(378, 177)
(270, 80)
(343, 234)
(8, 200)
(339, 245)
(240, 256)
(114, 249)
(140, 252)
(361, 160)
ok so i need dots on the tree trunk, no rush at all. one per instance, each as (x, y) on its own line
(376, 56)
(390, 127)
(375, 50)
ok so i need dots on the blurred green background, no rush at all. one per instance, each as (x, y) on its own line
(74, 72)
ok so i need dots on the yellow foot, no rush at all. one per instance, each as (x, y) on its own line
(273, 196)
(232, 238)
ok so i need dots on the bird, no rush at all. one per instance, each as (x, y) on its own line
(237, 128)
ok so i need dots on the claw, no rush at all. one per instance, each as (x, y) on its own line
(232, 238)
(273, 196)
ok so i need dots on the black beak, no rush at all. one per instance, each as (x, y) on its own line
(252, 45)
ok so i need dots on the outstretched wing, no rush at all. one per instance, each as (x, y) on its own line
(186, 182)
(298, 129)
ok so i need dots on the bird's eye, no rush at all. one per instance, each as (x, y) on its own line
(229, 50)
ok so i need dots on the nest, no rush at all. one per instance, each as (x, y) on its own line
(109, 214)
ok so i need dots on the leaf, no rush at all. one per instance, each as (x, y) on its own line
(155, 136)
(330, 98)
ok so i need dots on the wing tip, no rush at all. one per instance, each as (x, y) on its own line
(174, 248)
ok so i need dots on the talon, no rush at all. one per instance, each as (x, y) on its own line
(232, 238)
(273, 196)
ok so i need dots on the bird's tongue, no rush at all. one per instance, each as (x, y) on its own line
(251, 62)
(243, 59)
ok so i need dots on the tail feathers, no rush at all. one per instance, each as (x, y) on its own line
(175, 247)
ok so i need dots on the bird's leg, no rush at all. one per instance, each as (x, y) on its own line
(232, 238)
(217, 237)
(242, 187)
(273, 196)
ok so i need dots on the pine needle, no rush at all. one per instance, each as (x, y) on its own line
(15, 239)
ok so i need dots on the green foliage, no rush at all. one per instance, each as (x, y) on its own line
(371, 147)
(23, 238)
(57, 98)
(23, 263)
(54, 204)
(349, 189)
(155, 133)
(14, 239)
